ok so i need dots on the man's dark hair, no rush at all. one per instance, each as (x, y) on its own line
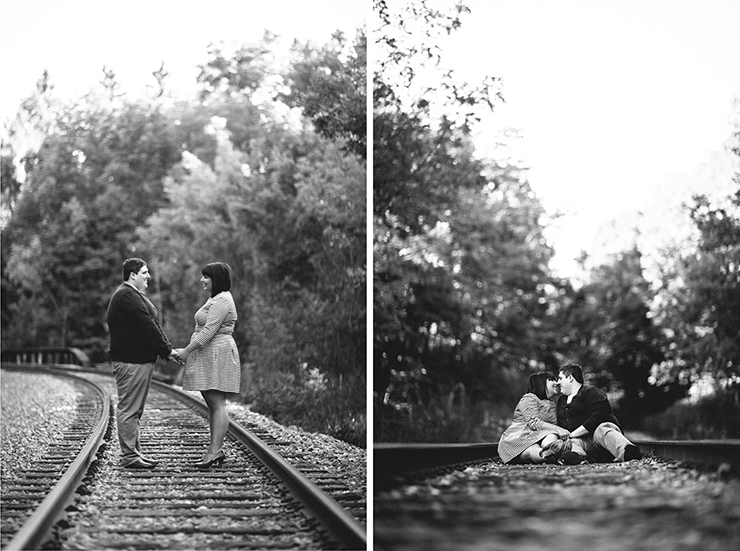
(538, 383)
(573, 369)
(220, 275)
(132, 266)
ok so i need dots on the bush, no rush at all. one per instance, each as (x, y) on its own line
(439, 421)
(711, 417)
(309, 399)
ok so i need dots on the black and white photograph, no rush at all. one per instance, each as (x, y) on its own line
(556, 209)
(184, 275)
(400, 275)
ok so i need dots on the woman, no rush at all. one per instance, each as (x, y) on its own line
(533, 435)
(212, 359)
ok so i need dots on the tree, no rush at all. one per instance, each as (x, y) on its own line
(622, 345)
(700, 296)
(463, 298)
(329, 85)
(93, 180)
(242, 72)
(185, 183)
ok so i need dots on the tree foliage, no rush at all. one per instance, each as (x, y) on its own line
(92, 182)
(613, 331)
(700, 297)
(329, 85)
(461, 282)
(465, 303)
(184, 183)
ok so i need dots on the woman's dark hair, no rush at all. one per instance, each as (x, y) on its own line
(537, 384)
(573, 369)
(220, 275)
(132, 266)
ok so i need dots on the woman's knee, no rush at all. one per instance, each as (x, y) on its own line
(214, 398)
(549, 439)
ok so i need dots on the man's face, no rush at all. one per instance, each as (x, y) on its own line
(140, 280)
(566, 383)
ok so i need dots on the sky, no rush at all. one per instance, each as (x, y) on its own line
(623, 108)
(74, 39)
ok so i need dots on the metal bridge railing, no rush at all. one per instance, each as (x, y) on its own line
(49, 355)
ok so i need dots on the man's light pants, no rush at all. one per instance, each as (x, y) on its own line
(132, 381)
(606, 438)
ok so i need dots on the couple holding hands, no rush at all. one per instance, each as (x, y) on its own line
(562, 420)
(211, 358)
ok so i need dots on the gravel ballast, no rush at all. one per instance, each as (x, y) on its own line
(35, 410)
(29, 398)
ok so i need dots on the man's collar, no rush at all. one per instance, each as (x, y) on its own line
(133, 287)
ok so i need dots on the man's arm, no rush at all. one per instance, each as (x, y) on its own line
(580, 432)
(146, 324)
(598, 408)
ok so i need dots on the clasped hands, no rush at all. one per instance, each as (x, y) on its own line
(178, 356)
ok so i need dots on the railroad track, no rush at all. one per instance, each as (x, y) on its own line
(393, 462)
(255, 500)
(39, 494)
(438, 497)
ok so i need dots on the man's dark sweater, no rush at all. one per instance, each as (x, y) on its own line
(589, 407)
(135, 334)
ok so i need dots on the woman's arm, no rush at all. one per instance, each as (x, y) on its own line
(217, 313)
(529, 408)
(554, 428)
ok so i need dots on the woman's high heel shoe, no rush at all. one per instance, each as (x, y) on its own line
(216, 460)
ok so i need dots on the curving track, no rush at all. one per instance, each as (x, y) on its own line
(38, 495)
(256, 500)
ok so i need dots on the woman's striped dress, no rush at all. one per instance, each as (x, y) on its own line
(215, 363)
(529, 426)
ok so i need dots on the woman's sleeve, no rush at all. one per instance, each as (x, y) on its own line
(216, 314)
(529, 407)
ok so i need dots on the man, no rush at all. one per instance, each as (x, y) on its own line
(136, 339)
(585, 411)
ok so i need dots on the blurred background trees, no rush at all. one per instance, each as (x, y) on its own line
(264, 170)
(466, 304)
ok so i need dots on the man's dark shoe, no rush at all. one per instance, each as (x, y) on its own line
(148, 460)
(632, 452)
(139, 464)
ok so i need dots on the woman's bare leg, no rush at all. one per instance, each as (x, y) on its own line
(218, 418)
(549, 439)
(532, 454)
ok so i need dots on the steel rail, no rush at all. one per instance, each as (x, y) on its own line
(703, 452)
(340, 524)
(396, 460)
(36, 529)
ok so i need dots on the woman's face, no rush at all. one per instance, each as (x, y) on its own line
(552, 388)
(207, 283)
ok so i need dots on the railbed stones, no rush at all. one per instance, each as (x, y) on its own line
(647, 504)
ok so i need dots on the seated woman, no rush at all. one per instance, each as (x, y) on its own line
(533, 436)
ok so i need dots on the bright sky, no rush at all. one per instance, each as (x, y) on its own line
(621, 104)
(73, 39)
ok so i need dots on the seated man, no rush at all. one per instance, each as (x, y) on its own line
(585, 411)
